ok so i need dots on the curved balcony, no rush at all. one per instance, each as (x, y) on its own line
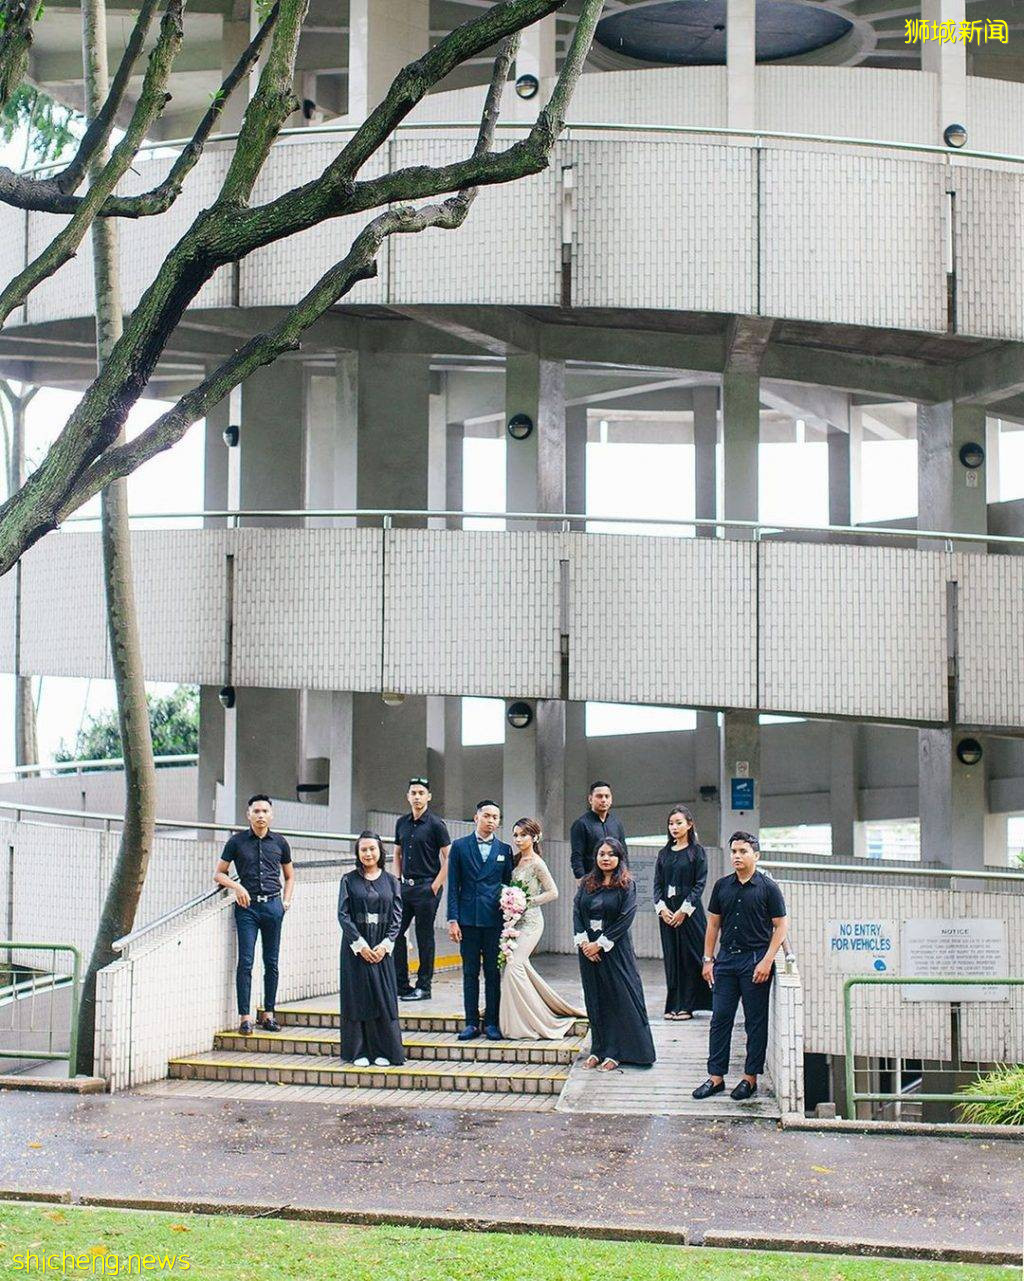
(672, 211)
(783, 625)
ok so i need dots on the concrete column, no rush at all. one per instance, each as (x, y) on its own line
(954, 821)
(993, 428)
(267, 744)
(271, 449)
(705, 448)
(741, 758)
(741, 94)
(844, 469)
(576, 462)
(211, 753)
(386, 405)
(948, 61)
(236, 33)
(321, 444)
(536, 55)
(454, 443)
(437, 448)
(741, 434)
(383, 37)
(707, 772)
(844, 790)
(951, 796)
(215, 471)
(950, 495)
(535, 473)
(539, 778)
(520, 794)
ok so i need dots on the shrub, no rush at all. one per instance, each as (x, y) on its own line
(1006, 1085)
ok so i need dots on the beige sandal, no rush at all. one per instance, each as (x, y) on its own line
(609, 1065)
(591, 1061)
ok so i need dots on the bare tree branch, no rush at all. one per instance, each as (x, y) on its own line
(16, 21)
(151, 102)
(44, 195)
(97, 133)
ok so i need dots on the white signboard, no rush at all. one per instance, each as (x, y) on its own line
(955, 949)
(861, 947)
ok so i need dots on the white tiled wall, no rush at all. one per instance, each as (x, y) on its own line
(989, 226)
(990, 641)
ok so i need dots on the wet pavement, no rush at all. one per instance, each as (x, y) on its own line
(634, 1171)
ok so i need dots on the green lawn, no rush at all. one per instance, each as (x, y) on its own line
(225, 1248)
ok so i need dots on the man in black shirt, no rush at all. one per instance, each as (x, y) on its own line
(421, 864)
(261, 858)
(747, 914)
(590, 829)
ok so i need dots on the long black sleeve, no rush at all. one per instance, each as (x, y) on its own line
(578, 848)
(395, 924)
(624, 920)
(700, 876)
(578, 923)
(349, 930)
(659, 877)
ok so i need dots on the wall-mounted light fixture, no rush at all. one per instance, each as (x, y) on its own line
(519, 715)
(954, 136)
(226, 696)
(527, 86)
(392, 698)
(972, 455)
(231, 433)
(520, 426)
(969, 751)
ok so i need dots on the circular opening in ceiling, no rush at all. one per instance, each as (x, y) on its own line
(682, 33)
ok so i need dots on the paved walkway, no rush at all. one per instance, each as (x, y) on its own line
(660, 1172)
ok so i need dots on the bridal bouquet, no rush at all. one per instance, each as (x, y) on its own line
(513, 903)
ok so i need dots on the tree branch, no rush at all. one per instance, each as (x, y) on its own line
(97, 134)
(16, 20)
(152, 100)
(44, 195)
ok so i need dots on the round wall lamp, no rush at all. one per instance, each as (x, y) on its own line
(520, 426)
(969, 751)
(954, 136)
(392, 698)
(519, 715)
(231, 433)
(226, 696)
(527, 86)
(972, 455)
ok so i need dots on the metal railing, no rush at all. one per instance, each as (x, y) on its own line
(756, 137)
(855, 1096)
(20, 989)
(108, 763)
(756, 530)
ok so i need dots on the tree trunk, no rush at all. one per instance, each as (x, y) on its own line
(26, 745)
(125, 889)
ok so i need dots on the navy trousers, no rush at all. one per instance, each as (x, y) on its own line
(419, 904)
(480, 944)
(734, 981)
(265, 920)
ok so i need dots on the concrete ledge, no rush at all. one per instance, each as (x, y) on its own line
(853, 1245)
(55, 1085)
(948, 1129)
(391, 1218)
(42, 1195)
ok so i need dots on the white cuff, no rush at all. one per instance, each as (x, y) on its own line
(579, 938)
(689, 909)
(661, 906)
(388, 945)
(358, 945)
(604, 943)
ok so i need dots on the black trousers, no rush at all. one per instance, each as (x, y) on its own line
(480, 944)
(265, 920)
(419, 904)
(734, 981)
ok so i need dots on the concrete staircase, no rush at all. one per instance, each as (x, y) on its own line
(306, 1053)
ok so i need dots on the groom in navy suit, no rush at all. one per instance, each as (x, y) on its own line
(478, 866)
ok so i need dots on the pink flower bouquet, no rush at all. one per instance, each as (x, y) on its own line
(513, 903)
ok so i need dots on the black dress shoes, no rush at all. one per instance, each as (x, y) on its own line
(492, 1033)
(469, 1032)
(414, 995)
(709, 1087)
(742, 1091)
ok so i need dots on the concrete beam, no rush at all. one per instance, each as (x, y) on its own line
(990, 376)
(746, 343)
(820, 407)
(895, 377)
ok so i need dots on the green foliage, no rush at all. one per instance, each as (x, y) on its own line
(51, 127)
(1006, 1084)
(174, 722)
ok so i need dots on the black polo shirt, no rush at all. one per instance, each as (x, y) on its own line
(422, 840)
(586, 834)
(257, 860)
(746, 911)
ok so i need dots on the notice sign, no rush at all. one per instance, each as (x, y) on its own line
(861, 947)
(742, 794)
(962, 949)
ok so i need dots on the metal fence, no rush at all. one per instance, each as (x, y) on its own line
(30, 999)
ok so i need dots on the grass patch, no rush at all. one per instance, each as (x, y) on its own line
(1006, 1087)
(226, 1248)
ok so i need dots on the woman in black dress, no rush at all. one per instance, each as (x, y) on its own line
(370, 916)
(679, 878)
(602, 914)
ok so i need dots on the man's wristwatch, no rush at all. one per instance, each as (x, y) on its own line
(708, 960)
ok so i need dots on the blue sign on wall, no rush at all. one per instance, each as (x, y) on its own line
(742, 793)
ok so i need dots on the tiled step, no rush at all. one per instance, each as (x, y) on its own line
(328, 1016)
(304, 1069)
(420, 1045)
